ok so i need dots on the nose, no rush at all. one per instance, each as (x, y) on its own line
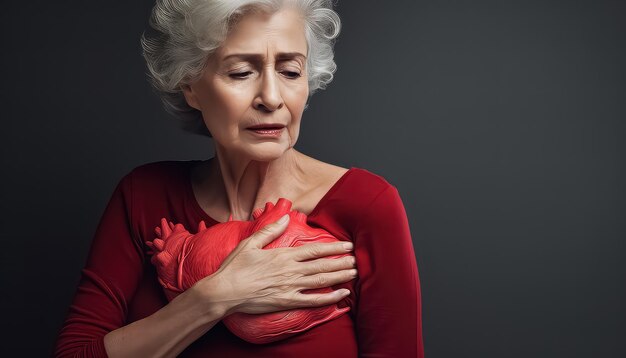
(269, 98)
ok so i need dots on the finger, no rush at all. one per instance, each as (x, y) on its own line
(311, 251)
(165, 229)
(270, 232)
(327, 265)
(321, 299)
(327, 279)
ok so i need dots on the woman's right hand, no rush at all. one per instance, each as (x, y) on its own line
(254, 280)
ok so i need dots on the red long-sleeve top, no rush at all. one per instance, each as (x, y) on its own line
(119, 285)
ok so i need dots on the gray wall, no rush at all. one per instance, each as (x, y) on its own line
(501, 123)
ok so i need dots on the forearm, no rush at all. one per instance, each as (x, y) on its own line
(167, 332)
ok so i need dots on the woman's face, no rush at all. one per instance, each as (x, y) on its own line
(257, 76)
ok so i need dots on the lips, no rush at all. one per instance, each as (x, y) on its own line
(267, 126)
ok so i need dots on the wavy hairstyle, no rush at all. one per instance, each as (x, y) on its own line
(184, 33)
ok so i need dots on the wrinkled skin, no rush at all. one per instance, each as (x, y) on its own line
(182, 259)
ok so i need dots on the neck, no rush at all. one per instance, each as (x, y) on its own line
(248, 184)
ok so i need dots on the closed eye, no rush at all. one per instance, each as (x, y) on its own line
(240, 75)
(291, 74)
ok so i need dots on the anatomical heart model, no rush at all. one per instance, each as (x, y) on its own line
(182, 259)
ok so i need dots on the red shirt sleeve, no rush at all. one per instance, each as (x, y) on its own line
(388, 318)
(108, 280)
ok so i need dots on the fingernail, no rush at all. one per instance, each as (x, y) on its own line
(348, 246)
(345, 292)
(283, 219)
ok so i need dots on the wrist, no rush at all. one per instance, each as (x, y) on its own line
(212, 298)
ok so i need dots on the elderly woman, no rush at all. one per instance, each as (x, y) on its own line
(241, 72)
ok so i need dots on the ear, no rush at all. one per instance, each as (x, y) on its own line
(190, 97)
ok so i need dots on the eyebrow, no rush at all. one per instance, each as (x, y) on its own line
(257, 57)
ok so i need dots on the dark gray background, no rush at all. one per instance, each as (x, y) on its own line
(501, 123)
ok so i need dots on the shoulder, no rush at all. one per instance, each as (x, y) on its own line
(355, 193)
(360, 185)
(367, 186)
(380, 206)
(359, 198)
(159, 172)
(374, 197)
(155, 177)
(359, 182)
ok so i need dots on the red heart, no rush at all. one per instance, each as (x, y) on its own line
(181, 259)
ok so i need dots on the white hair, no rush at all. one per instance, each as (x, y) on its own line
(184, 33)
